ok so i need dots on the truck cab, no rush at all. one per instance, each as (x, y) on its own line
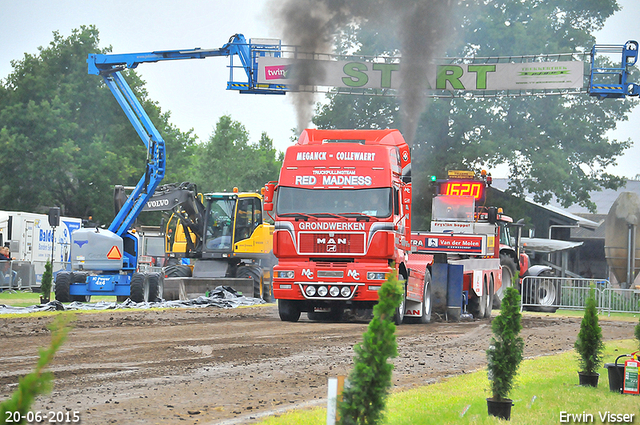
(340, 220)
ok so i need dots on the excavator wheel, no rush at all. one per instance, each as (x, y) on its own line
(254, 273)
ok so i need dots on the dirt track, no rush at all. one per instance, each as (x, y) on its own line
(213, 366)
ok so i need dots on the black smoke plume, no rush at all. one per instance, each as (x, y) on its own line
(421, 25)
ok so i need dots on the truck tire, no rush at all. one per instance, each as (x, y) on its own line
(77, 277)
(426, 302)
(288, 311)
(154, 285)
(478, 305)
(491, 297)
(398, 317)
(63, 284)
(509, 270)
(137, 287)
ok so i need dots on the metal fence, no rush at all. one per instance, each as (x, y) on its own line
(548, 294)
(16, 275)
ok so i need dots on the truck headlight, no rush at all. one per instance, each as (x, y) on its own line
(285, 274)
(376, 276)
(345, 291)
(310, 291)
(322, 291)
(334, 291)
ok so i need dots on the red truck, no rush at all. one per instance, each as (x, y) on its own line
(343, 221)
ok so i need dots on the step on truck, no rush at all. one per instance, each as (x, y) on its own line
(342, 211)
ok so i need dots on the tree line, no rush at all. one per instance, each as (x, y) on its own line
(65, 142)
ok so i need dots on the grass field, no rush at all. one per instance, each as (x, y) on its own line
(28, 298)
(547, 386)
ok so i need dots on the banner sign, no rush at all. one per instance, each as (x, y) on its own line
(449, 243)
(465, 77)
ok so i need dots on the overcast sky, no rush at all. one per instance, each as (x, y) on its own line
(195, 90)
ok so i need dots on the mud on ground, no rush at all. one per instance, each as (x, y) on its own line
(214, 366)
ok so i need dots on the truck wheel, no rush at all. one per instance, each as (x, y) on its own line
(154, 284)
(63, 283)
(398, 317)
(491, 296)
(288, 311)
(478, 305)
(508, 272)
(426, 299)
(137, 287)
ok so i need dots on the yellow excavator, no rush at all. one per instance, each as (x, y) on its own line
(214, 239)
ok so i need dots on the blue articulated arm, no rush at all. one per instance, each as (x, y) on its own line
(99, 64)
(611, 82)
(156, 157)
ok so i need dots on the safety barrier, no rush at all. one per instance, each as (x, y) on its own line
(547, 294)
(17, 275)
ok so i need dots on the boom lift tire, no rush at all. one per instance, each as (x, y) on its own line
(138, 287)
(63, 283)
(509, 270)
(79, 277)
(288, 311)
(154, 286)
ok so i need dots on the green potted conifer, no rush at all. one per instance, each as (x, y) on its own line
(589, 343)
(45, 283)
(505, 354)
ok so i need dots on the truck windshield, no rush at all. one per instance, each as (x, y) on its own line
(374, 202)
(220, 224)
(453, 208)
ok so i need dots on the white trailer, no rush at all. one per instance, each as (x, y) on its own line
(32, 241)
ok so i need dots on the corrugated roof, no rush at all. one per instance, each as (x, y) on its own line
(603, 199)
(501, 185)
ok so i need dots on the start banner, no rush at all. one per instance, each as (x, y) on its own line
(451, 77)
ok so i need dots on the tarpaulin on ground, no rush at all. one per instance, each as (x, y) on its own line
(221, 297)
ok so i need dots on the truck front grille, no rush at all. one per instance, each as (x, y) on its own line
(331, 244)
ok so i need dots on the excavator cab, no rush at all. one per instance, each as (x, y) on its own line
(234, 225)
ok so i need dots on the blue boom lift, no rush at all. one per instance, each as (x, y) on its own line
(104, 261)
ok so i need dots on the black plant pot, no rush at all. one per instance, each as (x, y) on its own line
(588, 379)
(500, 408)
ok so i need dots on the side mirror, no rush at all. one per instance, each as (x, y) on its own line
(269, 190)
